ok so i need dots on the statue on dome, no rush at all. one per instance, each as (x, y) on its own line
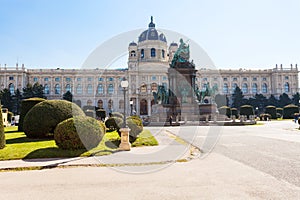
(182, 54)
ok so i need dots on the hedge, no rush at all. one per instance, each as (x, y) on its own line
(101, 114)
(42, 119)
(79, 132)
(135, 125)
(26, 105)
(234, 112)
(289, 110)
(246, 110)
(114, 123)
(272, 111)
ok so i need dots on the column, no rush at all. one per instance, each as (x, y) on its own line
(149, 106)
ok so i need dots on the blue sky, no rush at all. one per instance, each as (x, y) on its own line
(234, 33)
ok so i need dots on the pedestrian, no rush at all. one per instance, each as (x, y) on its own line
(170, 120)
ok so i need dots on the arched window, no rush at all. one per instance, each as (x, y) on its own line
(132, 53)
(286, 87)
(142, 53)
(90, 89)
(79, 89)
(233, 87)
(225, 88)
(163, 53)
(245, 88)
(57, 89)
(100, 103)
(110, 89)
(68, 88)
(46, 89)
(100, 89)
(12, 88)
(110, 105)
(153, 52)
(264, 88)
(254, 88)
(89, 102)
(121, 104)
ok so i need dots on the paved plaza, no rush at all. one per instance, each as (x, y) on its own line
(236, 162)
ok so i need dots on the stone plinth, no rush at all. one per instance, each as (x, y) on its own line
(125, 144)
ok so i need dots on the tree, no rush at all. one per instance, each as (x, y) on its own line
(2, 134)
(261, 102)
(296, 98)
(6, 99)
(272, 101)
(237, 98)
(68, 96)
(284, 100)
(16, 99)
(37, 90)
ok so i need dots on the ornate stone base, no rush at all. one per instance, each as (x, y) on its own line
(125, 144)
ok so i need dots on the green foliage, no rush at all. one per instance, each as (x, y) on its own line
(284, 100)
(289, 110)
(68, 96)
(85, 108)
(135, 125)
(272, 111)
(117, 114)
(296, 98)
(101, 114)
(114, 123)
(264, 117)
(237, 98)
(234, 112)
(26, 105)
(246, 110)
(80, 132)
(2, 135)
(35, 90)
(42, 119)
(6, 99)
(225, 110)
(90, 113)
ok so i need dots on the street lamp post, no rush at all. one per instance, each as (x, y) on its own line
(124, 145)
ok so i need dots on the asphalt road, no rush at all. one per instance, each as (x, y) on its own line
(249, 162)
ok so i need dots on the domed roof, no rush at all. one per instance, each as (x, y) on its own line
(152, 34)
(132, 44)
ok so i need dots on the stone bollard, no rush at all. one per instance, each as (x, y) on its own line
(233, 118)
(125, 144)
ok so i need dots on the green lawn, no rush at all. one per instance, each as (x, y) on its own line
(18, 146)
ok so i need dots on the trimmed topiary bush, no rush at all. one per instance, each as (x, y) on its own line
(272, 111)
(246, 110)
(135, 124)
(26, 105)
(264, 117)
(289, 110)
(114, 123)
(225, 110)
(2, 134)
(79, 132)
(234, 112)
(279, 111)
(42, 119)
(117, 114)
(90, 113)
(101, 114)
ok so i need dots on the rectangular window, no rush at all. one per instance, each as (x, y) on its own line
(264, 78)
(254, 79)
(57, 79)
(46, 79)
(286, 78)
(244, 79)
(68, 79)
(11, 78)
(224, 79)
(89, 78)
(78, 79)
(153, 78)
(35, 79)
(215, 78)
(100, 79)
(164, 78)
(234, 78)
(110, 79)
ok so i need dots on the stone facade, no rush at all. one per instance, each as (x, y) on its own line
(148, 64)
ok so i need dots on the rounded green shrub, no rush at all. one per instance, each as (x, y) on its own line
(79, 132)
(2, 134)
(114, 123)
(246, 110)
(264, 117)
(42, 119)
(225, 110)
(289, 110)
(135, 125)
(90, 113)
(26, 105)
(272, 111)
(117, 114)
(234, 112)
